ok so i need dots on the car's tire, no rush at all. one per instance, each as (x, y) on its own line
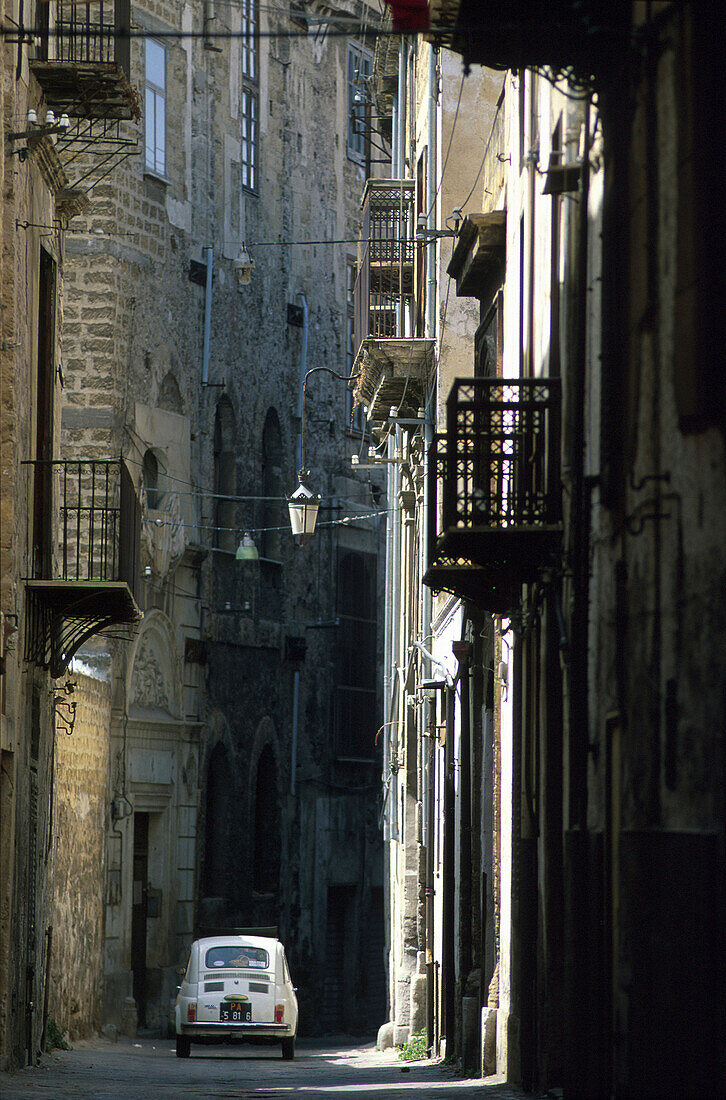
(183, 1046)
(288, 1049)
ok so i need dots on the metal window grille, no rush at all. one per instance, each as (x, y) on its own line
(502, 469)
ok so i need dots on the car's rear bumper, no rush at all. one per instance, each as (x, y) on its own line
(214, 1030)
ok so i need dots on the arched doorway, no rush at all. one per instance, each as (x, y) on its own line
(216, 869)
(272, 518)
(225, 477)
(267, 839)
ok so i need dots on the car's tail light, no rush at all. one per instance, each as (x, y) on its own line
(279, 1013)
(191, 1013)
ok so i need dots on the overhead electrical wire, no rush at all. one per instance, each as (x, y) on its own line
(207, 35)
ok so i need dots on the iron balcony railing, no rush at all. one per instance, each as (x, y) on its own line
(98, 522)
(494, 480)
(383, 295)
(86, 33)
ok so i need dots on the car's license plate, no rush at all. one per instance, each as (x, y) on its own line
(235, 1012)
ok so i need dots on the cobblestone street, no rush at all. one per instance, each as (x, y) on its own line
(148, 1068)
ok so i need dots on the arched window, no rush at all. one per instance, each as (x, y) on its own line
(272, 517)
(266, 867)
(151, 479)
(215, 877)
(225, 477)
(170, 397)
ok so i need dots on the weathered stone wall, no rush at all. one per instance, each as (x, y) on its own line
(27, 195)
(79, 833)
(135, 320)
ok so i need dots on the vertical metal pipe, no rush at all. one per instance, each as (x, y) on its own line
(295, 710)
(207, 314)
(65, 521)
(463, 655)
(429, 841)
(78, 523)
(303, 370)
(449, 883)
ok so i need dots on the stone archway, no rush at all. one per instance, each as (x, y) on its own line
(218, 823)
(267, 826)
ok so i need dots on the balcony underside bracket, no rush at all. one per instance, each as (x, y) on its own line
(62, 615)
(87, 89)
(489, 566)
(392, 373)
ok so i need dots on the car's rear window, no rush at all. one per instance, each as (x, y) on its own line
(234, 955)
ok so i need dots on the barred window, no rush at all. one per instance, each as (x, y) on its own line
(360, 67)
(249, 139)
(250, 94)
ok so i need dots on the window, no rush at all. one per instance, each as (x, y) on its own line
(250, 95)
(155, 107)
(229, 958)
(151, 480)
(360, 67)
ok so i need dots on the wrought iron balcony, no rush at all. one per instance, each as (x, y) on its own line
(494, 489)
(84, 59)
(384, 286)
(392, 366)
(85, 579)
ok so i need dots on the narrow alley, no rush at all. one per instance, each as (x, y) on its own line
(362, 549)
(142, 1068)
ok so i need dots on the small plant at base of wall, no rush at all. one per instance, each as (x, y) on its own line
(54, 1037)
(415, 1049)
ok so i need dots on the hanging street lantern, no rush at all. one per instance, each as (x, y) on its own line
(303, 506)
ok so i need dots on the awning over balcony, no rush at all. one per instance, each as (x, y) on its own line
(393, 373)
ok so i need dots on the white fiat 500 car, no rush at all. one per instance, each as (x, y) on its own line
(236, 988)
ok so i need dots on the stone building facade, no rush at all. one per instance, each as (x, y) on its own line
(560, 707)
(223, 707)
(241, 784)
(56, 586)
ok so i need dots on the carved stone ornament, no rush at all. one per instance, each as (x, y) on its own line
(148, 687)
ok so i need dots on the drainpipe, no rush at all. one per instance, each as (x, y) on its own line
(303, 369)
(295, 702)
(580, 526)
(399, 164)
(426, 595)
(430, 765)
(462, 652)
(207, 314)
(431, 306)
(449, 882)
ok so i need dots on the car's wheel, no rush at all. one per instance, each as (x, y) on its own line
(288, 1048)
(183, 1046)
